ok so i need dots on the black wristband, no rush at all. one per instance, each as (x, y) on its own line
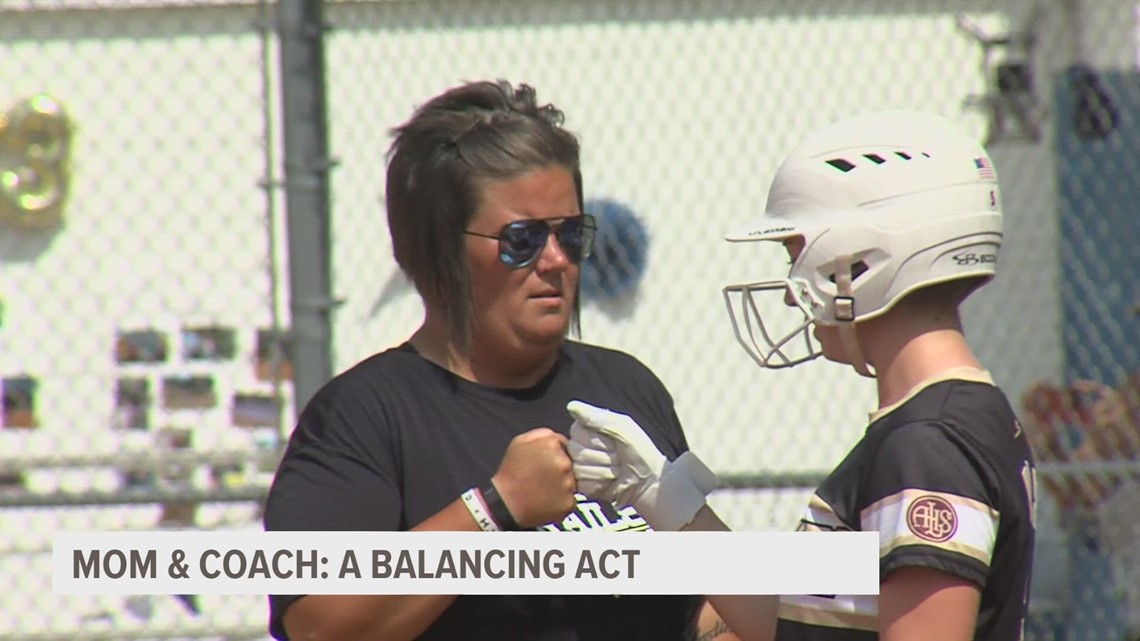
(499, 510)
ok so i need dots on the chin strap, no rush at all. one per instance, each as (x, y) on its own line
(844, 305)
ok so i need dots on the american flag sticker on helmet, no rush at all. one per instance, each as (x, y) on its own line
(985, 168)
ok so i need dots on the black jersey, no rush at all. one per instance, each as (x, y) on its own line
(947, 479)
(396, 439)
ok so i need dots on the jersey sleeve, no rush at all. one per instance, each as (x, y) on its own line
(339, 473)
(929, 494)
(665, 425)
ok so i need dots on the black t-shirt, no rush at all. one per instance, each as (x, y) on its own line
(947, 480)
(396, 439)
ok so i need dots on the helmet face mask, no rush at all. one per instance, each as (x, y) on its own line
(885, 204)
(774, 344)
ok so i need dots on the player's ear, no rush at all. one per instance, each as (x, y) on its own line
(794, 245)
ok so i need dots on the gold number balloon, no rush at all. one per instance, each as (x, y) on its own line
(35, 150)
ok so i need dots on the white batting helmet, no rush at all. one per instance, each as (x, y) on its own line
(886, 203)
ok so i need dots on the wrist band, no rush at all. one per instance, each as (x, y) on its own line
(499, 510)
(474, 503)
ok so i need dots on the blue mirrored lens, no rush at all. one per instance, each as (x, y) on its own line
(522, 241)
(575, 238)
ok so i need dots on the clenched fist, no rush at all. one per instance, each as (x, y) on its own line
(536, 478)
(615, 460)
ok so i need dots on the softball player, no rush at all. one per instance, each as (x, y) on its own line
(890, 220)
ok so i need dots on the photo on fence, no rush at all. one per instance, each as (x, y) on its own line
(267, 441)
(208, 343)
(175, 474)
(11, 482)
(19, 409)
(135, 479)
(177, 514)
(256, 410)
(188, 392)
(274, 361)
(228, 475)
(132, 404)
(141, 346)
(174, 438)
(1084, 423)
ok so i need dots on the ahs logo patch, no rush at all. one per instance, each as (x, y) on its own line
(932, 518)
(599, 515)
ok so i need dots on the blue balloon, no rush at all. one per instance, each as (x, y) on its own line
(621, 252)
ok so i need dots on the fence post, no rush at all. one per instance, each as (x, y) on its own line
(307, 164)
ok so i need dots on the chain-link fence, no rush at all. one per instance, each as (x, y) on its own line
(684, 111)
(138, 284)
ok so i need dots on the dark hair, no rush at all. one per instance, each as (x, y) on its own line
(437, 166)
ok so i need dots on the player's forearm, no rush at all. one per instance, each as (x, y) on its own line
(750, 617)
(377, 617)
(711, 626)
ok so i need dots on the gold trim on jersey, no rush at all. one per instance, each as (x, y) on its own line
(950, 546)
(974, 524)
(909, 495)
(820, 517)
(971, 374)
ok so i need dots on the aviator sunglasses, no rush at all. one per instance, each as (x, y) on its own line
(521, 241)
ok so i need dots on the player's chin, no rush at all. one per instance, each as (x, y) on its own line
(827, 340)
(834, 353)
(838, 360)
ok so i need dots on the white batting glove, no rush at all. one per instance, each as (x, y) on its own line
(615, 460)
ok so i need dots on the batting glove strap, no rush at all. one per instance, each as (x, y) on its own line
(673, 502)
